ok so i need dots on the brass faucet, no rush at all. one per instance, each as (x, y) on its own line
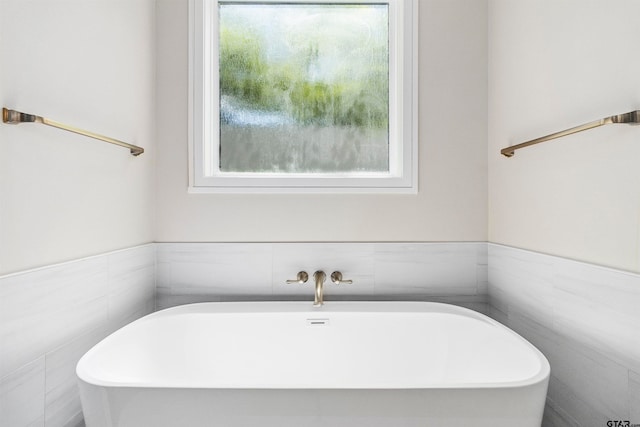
(319, 277)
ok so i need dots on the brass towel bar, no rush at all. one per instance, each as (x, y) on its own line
(16, 117)
(632, 117)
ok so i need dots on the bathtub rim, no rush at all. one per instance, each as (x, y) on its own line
(543, 374)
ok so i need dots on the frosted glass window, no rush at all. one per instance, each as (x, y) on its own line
(303, 96)
(304, 88)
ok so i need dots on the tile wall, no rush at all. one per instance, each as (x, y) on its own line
(51, 316)
(585, 319)
(448, 272)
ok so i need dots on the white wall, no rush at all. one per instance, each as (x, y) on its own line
(87, 63)
(451, 204)
(553, 65)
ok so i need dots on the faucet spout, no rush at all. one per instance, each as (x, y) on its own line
(319, 277)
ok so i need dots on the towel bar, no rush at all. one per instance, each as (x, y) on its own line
(16, 117)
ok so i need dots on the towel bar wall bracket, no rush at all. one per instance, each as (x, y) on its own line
(16, 117)
(631, 118)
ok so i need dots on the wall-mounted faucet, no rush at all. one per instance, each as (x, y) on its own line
(319, 278)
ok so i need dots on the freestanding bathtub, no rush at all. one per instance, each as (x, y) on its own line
(289, 364)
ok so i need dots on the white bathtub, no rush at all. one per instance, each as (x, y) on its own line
(346, 364)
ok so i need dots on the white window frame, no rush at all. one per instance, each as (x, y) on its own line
(403, 109)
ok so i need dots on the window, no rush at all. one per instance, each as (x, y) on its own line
(300, 96)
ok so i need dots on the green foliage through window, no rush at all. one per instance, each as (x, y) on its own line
(304, 87)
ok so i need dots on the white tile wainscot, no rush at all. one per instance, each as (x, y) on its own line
(634, 395)
(22, 395)
(199, 272)
(50, 316)
(585, 319)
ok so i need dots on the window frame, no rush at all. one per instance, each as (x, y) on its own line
(403, 107)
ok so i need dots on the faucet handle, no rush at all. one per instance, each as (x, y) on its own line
(336, 277)
(301, 278)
